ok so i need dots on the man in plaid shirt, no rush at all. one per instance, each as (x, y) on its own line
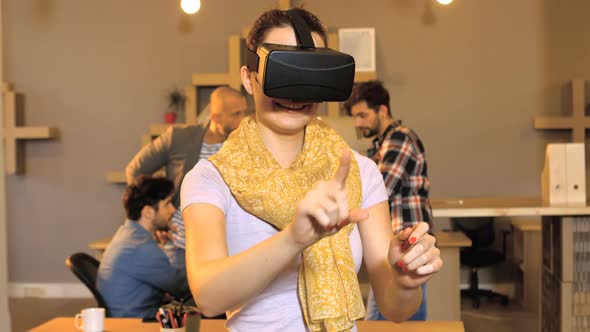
(399, 153)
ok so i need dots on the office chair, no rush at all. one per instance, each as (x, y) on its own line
(85, 267)
(481, 254)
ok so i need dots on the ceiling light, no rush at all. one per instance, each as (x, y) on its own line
(190, 6)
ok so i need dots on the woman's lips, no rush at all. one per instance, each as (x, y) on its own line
(290, 106)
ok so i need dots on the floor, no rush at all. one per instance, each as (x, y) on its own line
(27, 313)
(494, 317)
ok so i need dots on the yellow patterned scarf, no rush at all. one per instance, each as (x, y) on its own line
(328, 287)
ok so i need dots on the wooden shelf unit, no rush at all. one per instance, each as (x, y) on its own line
(578, 122)
(15, 134)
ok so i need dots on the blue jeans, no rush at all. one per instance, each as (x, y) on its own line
(374, 314)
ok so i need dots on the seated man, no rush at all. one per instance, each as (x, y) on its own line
(135, 275)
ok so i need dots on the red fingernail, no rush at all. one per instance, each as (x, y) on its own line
(412, 240)
(400, 264)
(405, 269)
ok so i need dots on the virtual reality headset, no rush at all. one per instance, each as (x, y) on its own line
(303, 72)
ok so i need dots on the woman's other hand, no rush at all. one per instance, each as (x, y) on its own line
(413, 253)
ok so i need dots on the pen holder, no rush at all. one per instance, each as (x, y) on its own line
(178, 329)
(187, 318)
(193, 323)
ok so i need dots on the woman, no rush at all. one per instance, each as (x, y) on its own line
(270, 236)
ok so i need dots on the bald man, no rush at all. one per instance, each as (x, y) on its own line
(227, 108)
(179, 149)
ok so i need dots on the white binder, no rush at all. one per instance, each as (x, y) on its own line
(563, 180)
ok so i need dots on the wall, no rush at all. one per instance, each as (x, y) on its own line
(468, 78)
(4, 314)
(567, 54)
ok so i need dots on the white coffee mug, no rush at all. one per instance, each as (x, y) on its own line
(92, 320)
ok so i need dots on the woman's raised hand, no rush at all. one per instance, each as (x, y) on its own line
(324, 209)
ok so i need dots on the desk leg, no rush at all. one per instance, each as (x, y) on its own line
(443, 290)
(532, 271)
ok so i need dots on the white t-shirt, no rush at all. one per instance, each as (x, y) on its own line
(276, 308)
(207, 150)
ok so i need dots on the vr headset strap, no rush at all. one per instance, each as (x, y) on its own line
(302, 33)
(301, 29)
(251, 59)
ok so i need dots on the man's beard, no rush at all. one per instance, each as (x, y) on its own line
(369, 132)
(227, 131)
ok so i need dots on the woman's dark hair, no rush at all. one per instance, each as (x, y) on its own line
(372, 92)
(278, 18)
(145, 190)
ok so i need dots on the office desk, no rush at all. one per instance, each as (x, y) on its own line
(446, 283)
(502, 207)
(527, 246)
(66, 324)
(100, 246)
(562, 232)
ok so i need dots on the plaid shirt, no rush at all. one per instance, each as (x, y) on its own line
(399, 153)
